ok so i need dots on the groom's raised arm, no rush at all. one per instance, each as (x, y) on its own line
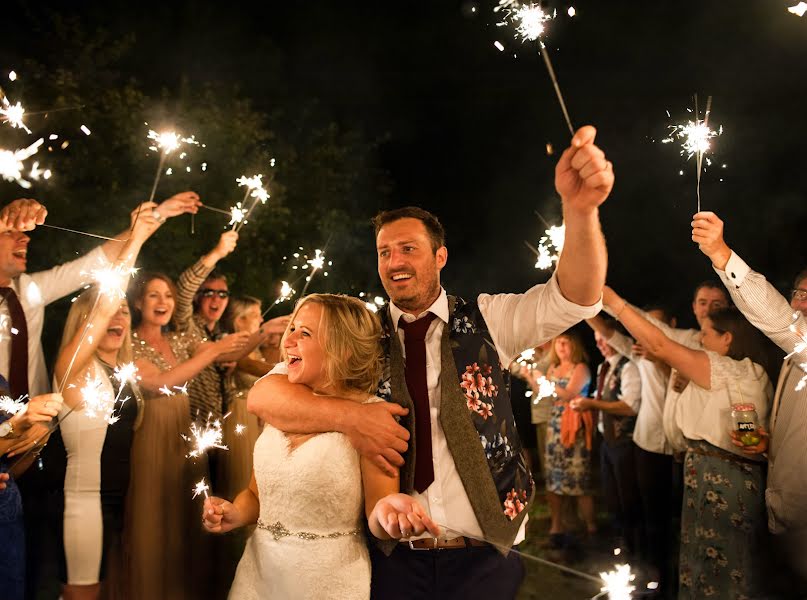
(584, 179)
(294, 408)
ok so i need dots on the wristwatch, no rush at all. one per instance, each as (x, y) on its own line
(6, 429)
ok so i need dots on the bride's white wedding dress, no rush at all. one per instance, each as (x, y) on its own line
(310, 541)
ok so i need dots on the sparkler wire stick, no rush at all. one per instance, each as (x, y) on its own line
(94, 235)
(700, 154)
(545, 54)
(537, 559)
(218, 210)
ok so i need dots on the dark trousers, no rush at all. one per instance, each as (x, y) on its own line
(618, 471)
(655, 478)
(461, 573)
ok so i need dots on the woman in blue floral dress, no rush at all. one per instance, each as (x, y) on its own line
(568, 467)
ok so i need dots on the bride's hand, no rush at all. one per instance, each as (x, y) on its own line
(402, 516)
(219, 515)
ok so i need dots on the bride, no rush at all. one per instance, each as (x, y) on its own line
(306, 489)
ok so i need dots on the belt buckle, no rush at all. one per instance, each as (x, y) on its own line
(413, 547)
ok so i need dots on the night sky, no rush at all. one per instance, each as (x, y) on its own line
(467, 126)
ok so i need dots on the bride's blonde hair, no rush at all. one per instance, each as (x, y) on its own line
(349, 335)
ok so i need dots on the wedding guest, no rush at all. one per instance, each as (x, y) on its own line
(723, 520)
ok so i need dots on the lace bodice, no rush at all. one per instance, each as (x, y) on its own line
(314, 488)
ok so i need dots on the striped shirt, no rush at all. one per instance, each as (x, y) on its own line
(770, 312)
(206, 390)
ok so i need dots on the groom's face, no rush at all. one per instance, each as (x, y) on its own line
(408, 265)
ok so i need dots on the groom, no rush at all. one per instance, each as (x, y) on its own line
(443, 365)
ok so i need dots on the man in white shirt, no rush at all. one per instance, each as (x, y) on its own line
(411, 255)
(786, 325)
(617, 399)
(652, 451)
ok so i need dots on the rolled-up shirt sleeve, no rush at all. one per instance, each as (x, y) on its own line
(630, 391)
(520, 321)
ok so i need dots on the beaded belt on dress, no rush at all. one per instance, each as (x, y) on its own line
(278, 531)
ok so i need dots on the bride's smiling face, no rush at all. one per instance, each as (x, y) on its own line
(305, 356)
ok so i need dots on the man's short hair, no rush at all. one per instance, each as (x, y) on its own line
(799, 278)
(214, 275)
(434, 228)
(710, 284)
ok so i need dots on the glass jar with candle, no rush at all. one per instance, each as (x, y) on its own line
(744, 417)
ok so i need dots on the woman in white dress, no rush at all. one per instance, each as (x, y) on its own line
(306, 491)
(98, 436)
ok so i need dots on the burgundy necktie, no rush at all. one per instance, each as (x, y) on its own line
(601, 378)
(18, 363)
(415, 346)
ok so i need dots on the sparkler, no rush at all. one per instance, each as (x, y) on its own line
(112, 281)
(695, 136)
(12, 166)
(164, 143)
(12, 407)
(98, 401)
(256, 190)
(239, 428)
(373, 306)
(549, 247)
(201, 487)
(13, 114)
(205, 437)
(530, 21)
(317, 263)
(798, 10)
(618, 584)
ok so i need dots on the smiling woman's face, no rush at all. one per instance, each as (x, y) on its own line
(157, 304)
(305, 355)
(117, 329)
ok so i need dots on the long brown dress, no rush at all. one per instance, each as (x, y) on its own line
(163, 525)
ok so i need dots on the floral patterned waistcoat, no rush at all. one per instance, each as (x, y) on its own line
(616, 429)
(476, 417)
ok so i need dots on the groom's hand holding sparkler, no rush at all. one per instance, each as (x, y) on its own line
(22, 214)
(707, 233)
(583, 178)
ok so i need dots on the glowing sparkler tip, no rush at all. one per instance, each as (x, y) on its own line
(239, 428)
(237, 214)
(799, 9)
(201, 487)
(13, 114)
(618, 584)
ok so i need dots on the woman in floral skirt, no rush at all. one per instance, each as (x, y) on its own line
(723, 523)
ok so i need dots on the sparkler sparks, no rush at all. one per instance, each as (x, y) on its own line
(98, 401)
(618, 584)
(239, 428)
(12, 166)
(113, 281)
(12, 407)
(126, 373)
(550, 246)
(205, 437)
(695, 139)
(13, 114)
(373, 306)
(798, 10)
(286, 292)
(168, 141)
(546, 389)
(237, 214)
(256, 190)
(201, 487)
(530, 24)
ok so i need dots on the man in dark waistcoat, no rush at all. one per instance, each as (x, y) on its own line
(444, 376)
